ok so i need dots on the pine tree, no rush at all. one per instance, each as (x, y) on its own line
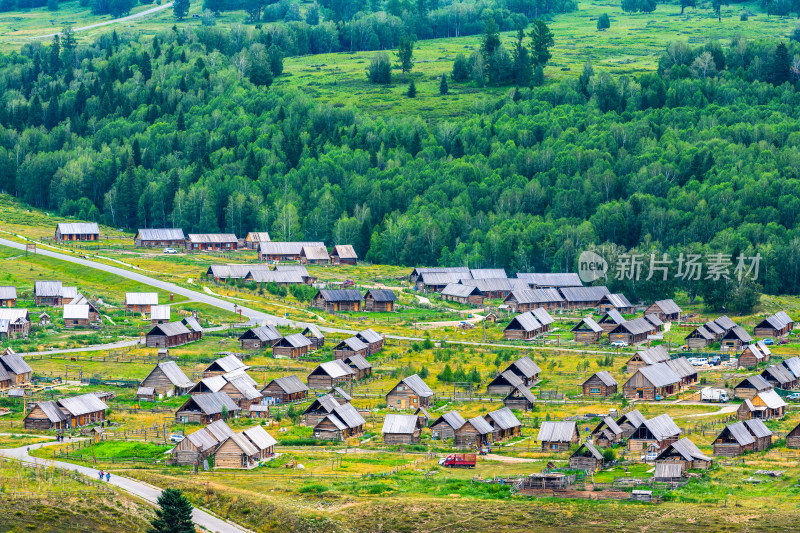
(174, 514)
(156, 47)
(51, 115)
(136, 152)
(461, 70)
(181, 122)
(603, 22)
(180, 8)
(55, 55)
(522, 64)
(541, 41)
(781, 65)
(412, 90)
(145, 67)
(405, 55)
(443, 88)
(35, 111)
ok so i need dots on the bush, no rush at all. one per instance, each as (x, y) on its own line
(609, 455)
(380, 69)
(603, 23)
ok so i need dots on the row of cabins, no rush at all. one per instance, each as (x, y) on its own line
(671, 464)
(54, 294)
(658, 432)
(334, 300)
(660, 380)
(171, 334)
(711, 332)
(66, 413)
(528, 325)
(241, 450)
(307, 253)
(478, 431)
(283, 275)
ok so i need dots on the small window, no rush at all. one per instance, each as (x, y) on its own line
(553, 446)
(594, 390)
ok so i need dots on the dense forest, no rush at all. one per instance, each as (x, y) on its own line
(183, 130)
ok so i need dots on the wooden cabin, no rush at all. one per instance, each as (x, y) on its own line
(313, 334)
(616, 301)
(652, 382)
(667, 472)
(522, 300)
(48, 293)
(526, 369)
(587, 331)
(401, 429)
(321, 407)
(750, 357)
(14, 369)
(292, 346)
(360, 366)
(344, 254)
(523, 327)
(765, 405)
(521, 398)
(160, 314)
(236, 452)
(582, 297)
(71, 412)
(76, 316)
(715, 330)
(632, 332)
(343, 423)
(423, 415)
(314, 255)
(658, 324)
(409, 393)
(777, 325)
(780, 377)
(201, 444)
(660, 432)
(750, 386)
(167, 379)
(278, 277)
(793, 437)
(586, 457)
(168, 335)
(744, 436)
(147, 394)
(735, 338)
(283, 251)
(8, 296)
(77, 231)
(667, 310)
(492, 288)
(630, 422)
(684, 369)
(606, 433)
(14, 323)
(699, 338)
(218, 242)
(504, 383)
(258, 338)
(544, 280)
(350, 347)
(46, 416)
(241, 388)
(610, 320)
(334, 300)
(685, 453)
(160, 238)
(558, 436)
(380, 300)
(415, 277)
(224, 365)
(254, 238)
(792, 365)
(463, 294)
(330, 374)
(504, 424)
(600, 384)
(372, 339)
(140, 302)
(287, 389)
(474, 433)
(445, 426)
(206, 408)
(650, 356)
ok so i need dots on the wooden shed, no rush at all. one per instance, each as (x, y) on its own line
(600, 384)
(409, 393)
(261, 337)
(292, 346)
(344, 422)
(379, 300)
(241, 388)
(474, 433)
(750, 357)
(685, 453)
(630, 422)
(607, 433)
(658, 324)
(652, 382)
(147, 394)
(667, 310)
(401, 429)
(632, 332)
(699, 338)
(558, 436)
(314, 255)
(650, 356)
(522, 300)
(48, 293)
(539, 280)
(236, 452)
(287, 389)
(582, 297)
(504, 383)
(321, 407)
(201, 444)
(504, 424)
(219, 242)
(735, 338)
(254, 238)
(776, 325)
(521, 398)
(587, 331)
(168, 335)
(77, 231)
(344, 254)
(330, 374)
(523, 327)
(313, 334)
(14, 323)
(160, 314)
(46, 416)
(733, 440)
(372, 339)
(446, 425)
(76, 316)
(158, 238)
(779, 377)
(224, 365)
(334, 300)
(206, 408)
(349, 347)
(750, 386)
(8, 296)
(616, 301)
(668, 472)
(71, 412)
(140, 302)
(168, 379)
(586, 457)
(765, 405)
(660, 432)
(610, 320)
(17, 370)
(463, 294)
(283, 251)
(360, 366)
(793, 437)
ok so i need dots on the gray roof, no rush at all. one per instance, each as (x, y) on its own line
(213, 384)
(353, 343)
(314, 331)
(14, 363)
(779, 373)
(526, 366)
(340, 295)
(53, 411)
(536, 296)
(653, 319)
(202, 439)
(687, 449)
(504, 418)
(170, 329)
(76, 312)
(243, 443)
(47, 288)
(348, 414)
(290, 384)
(682, 367)
(192, 323)
(369, 336)
(714, 328)
(229, 363)
(757, 427)
(481, 425)
(725, 323)
(452, 419)
(513, 379)
(660, 375)
(584, 294)
(587, 322)
(488, 273)
(276, 276)
(459, 290)
(587, 445)
(259, 437)
(416, 384)
(296, 340)
(359, 362)
(264, 333)
(739, 433)
(400, 424)
(338, 391)
(777, 321)
(336, 368)
(211, 403)
(793, 366)
(542, 316)
(606, 378)
(668, 307)
(771, 399)
(662, 427)
(701, 332)
(244, 386)
(618, 300)
(668, 470)
(654, 355)
(326, 403)
(764, 348)
(345, 251)
(634, 418)
(141, 298)
(164, 234)
(489, 284)
(219, 429)
(175, 374)
(315, 253)
(753, 349)
(285, 248)
(557, 431)
(212, 238)
(738, 332)
(524, 391)
(160, 312)
(527, 321)
(8, 292)
(381, 295)
(258, 236)
(610, 424)
(637, 326)
(551, 279)
(78, 228)
(757, 382)
(145, 391)
(442, 278)
(83, 404)
(235, 271)
(293, 268)
(612, 315)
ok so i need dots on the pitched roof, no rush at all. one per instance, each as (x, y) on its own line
(349, 415)
(653, 319)
(369, 336)
(488, 273)
(714, 328)
(276, 276)
(481, 425)
(345, 251)
(244, 386)
(536, 296)
(314, 331)
(756, 382)
(489, 284)
(202, 439)
(260, 438)
(452, 419)
(587, 445)
(258, 236)
(8, 292)
(14, 363)
(443, 278)
(504, 418)
(771, 399)
(764, 348)
(526, 366)
(662, 427)
(591, 294)
(527, 321)
(211, 403)
(338, 391)
(757, 428)
(212, 238)
(634, 418)
(264, 334)
(141, 298)
(170, 329)
(419, 387)
(682, 367)
(78, 228)
(687, 449)
(290, 384)
(83, 404)
(326, 403)
(738, 332)
(352, 343)
(315, 253)
(779, 373)
(587, 323)
(47, 288)
(610, 424)
(381, 295)
(654, 355)
(701, 332)
(777, 321)
(402, 424)
(285, 248)
(725, 322)
(145, 391)
(160, 312)
(358, 361)
(557, 431)
(296, 340)
(753, 349)
(175, 374)
(793, 365)
(668, 470)
(512, 379)
(551, 279)
(606, 378)
(618, 300)
(76, 312)
(739, 432)
(460, 291)
(219, 429)
(340, 295)
(213, 384)
(336, 368)
(542, 316)
(612, 315)
(229, 363)
(637, 326)
(52, 411)
(243, 443)
(522, 390)
(165, 234)
(668, 307)
(660, 375)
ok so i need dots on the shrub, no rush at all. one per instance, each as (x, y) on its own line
(603, 22)
(380, 69)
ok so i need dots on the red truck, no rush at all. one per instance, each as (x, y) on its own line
(459, 460)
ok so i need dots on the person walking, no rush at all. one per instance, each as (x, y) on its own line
(108, 477)
(101, 475)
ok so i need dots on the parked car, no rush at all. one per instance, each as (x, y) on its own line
(170, 251)
(769, 342)
(692, 360)
(650, 457)
(715, 361)
(348, 283)
(619, 344)
(794, 397)
(700, 361)
(176, 438)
